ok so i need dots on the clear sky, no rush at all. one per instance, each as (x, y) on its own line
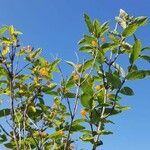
(57, 26)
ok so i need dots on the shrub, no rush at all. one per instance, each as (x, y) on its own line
(39, 113)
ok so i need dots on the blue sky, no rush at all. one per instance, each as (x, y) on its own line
(57, 26)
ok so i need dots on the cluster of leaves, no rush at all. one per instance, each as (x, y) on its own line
(42, 114)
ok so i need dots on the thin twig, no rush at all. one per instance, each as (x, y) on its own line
(22, 69)
(5, 131)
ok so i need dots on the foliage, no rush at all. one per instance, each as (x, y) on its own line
(42, 114)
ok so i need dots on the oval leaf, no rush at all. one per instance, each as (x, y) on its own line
(113, 80)
(138, 74)
(86, 100)
(136, 51)
(127, 91)
(130, 30)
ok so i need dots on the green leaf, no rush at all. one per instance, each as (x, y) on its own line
(113, 79)
(136, 51)
(4, 112)
(138, 74)
(88, 23)
(109, 46)
(54, 93)
(130, 30)
(127, 91)
(104, 132)
(141, 21)
(55, 135)
(86, 49)
(123, 108)
(106, 46)
(99, 30)
(96, 28)
(3, 138)
(86, 100)
(87, 85)
(77, 127)
(104, 28)
(113, 112)
(70, 63)
(101, 96)
(100, 57)
(42, 61)
(54, 65)
(113, 37)
(88, 64)
(41, 100)
(145, 48)
(28, 141)
(9, 145)
(69, 95)
(145, 57)
(47, 89)
(3, 71)
(87, 137)
(34, 54)
(69, 83)
(3, 29)
(87, 40)
(95, 119)
(79, 120)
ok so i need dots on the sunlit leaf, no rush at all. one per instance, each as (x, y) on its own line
(130, 30)
(3, 30)
(136, 51)
(86, 100)
(88, 23)
(104, 132)
(141, 21)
